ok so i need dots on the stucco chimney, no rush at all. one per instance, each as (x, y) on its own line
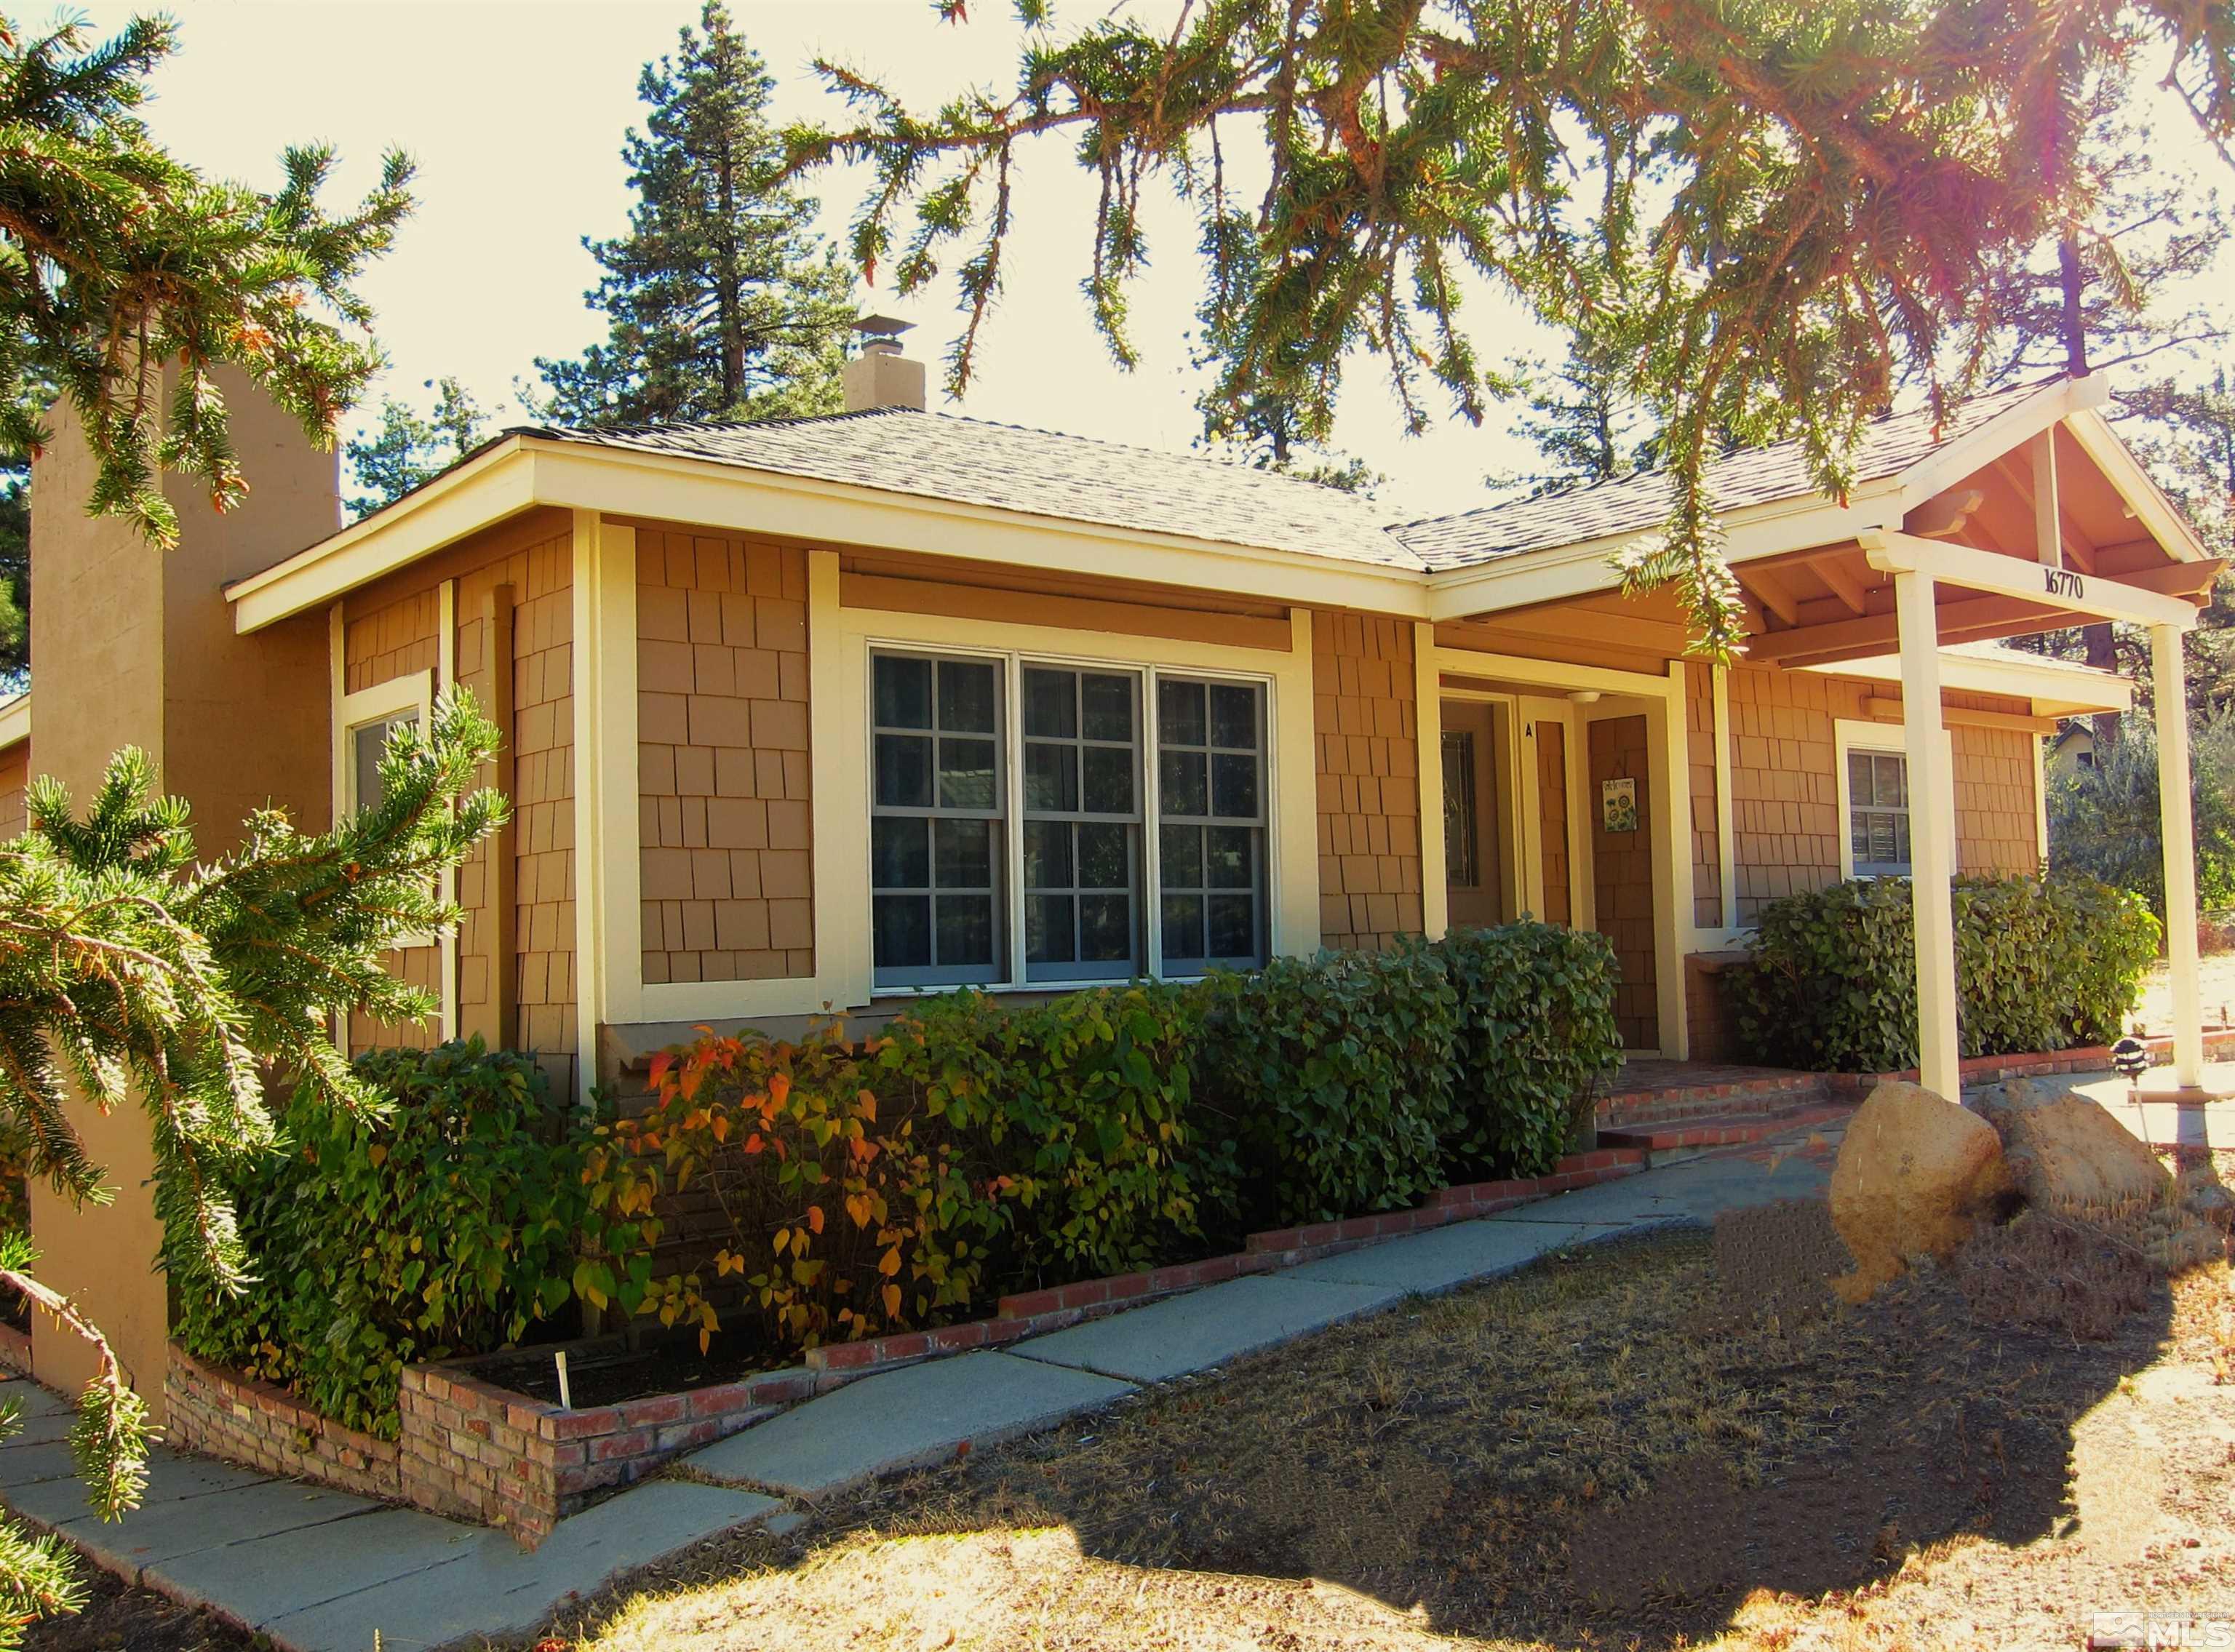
(136, 646)
(879, 376)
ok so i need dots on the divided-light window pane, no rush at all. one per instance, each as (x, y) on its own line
(1083, 918)
(1083, 741)
(937, 836)
(1212, 831)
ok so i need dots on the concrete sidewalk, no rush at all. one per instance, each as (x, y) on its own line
(319, 1571)
(2160, 1117)
(820, 1447)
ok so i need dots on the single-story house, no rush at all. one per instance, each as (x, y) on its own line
(823, 713)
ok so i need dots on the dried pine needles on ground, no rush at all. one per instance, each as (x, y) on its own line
(1657, 1441)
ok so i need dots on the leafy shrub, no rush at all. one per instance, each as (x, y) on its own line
(1082, 1101)
(1332, 1077)
(844, 1215)
(444, 1227)
(1536, 1032)
(2104, 821)
(2040, 964)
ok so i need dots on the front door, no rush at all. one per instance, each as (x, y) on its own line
(1622, 869)
(1478, 867)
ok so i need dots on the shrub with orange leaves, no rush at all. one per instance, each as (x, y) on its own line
(843, 1217)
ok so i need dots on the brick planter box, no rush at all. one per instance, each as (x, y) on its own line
(481, 1452)
(15, 1350)
(224, 1415)
(465, 1448)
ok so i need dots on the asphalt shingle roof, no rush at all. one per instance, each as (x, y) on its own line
(1636, 504)
(975, 462)
(1046, 473)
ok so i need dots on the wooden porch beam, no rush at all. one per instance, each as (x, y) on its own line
(1976, 570)
(1843, 585)
(1890, 711)
(1772, 591)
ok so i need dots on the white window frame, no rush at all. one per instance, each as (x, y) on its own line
(1013, 663)
(1882, 740)
(414, 691)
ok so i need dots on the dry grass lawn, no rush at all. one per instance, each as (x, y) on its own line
(1664, 1443)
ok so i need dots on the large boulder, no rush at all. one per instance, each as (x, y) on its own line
(1915, 1176)
(2072, 1154)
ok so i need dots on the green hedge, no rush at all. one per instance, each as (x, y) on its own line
(1333, 1078)
(1536, 1033)
(1082, 1102)
(2041, 963)
(972, 1146)
(445, 1228)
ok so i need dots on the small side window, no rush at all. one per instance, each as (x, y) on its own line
(368, 744)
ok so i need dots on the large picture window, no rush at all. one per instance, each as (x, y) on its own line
(990, 772)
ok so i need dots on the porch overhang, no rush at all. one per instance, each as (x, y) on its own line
(1983, 596)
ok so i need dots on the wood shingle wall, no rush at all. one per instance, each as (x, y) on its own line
(1366, 726)
(723, 758)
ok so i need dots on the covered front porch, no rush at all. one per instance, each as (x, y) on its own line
(1688, 796)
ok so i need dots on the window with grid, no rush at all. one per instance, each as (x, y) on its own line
(1082, 775)
(937, 837)
(1878, 813)
(1210, 783)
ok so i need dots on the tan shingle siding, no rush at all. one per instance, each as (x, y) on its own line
(14, 783)
(1366, 726)
(1784, 789)
(723, 778)
(399, 636)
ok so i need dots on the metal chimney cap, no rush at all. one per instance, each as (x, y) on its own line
(886, 327)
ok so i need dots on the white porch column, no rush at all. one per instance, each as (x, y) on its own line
(2178, 832)
(1931, 836)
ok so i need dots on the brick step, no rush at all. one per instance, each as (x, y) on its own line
(1719, 1130)
(1761, 1092)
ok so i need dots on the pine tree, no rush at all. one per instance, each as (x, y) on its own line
(409, 448)
(1831, 183)
(722, 302)
(1587, 424)
(120, 264)
(133, 975)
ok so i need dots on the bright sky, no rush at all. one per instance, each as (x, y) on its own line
(514, 111)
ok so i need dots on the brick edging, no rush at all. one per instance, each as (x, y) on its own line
(1986, 1069)
(1034, 1313)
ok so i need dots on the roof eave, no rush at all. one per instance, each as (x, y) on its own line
(525, 471)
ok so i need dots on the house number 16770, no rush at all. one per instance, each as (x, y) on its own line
(2064, 582)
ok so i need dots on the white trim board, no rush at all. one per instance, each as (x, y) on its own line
(1856, 734)
(839, 645)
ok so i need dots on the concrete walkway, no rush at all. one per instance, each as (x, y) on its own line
(929, 1413)
(2161, 1117)
(319, 1571)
